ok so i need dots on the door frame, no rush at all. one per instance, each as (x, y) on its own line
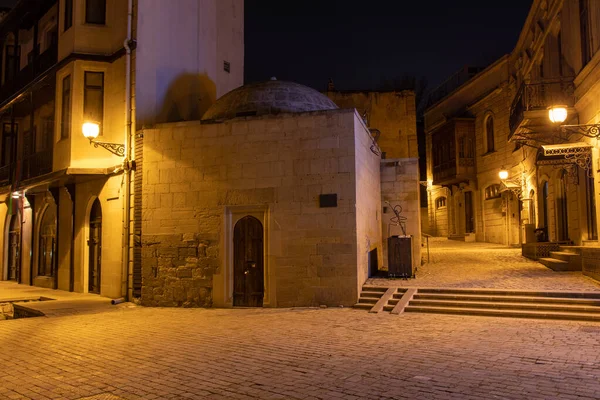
(85, 273)
(223, 281)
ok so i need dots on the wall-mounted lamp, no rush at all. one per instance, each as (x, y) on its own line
(91, 130)
(558, 114)
(16, 195)
(503, 174)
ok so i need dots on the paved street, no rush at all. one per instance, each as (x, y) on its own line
(485, 265)
(150, 353)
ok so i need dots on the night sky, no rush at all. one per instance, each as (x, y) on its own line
(362, 43)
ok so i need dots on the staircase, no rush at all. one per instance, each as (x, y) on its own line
(568, 258)
(583, 306)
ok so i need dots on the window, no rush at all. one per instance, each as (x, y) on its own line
(93, 97)
(95, 12)
(492, 192)
(65, 113)
(47, 241)
(68, 15)
(584, 31)
(440, 202)
(11, 65)
(7, 143)
(489, 133)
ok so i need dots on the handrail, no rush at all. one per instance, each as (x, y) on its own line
(427, 236)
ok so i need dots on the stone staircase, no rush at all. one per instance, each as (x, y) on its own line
(582, 306)
(568, 258)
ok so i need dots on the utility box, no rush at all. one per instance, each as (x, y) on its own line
(400, 255)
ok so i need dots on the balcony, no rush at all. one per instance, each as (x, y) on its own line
(38, 65)
(5, 175)
(529, 110)
(37, 164)
(453, 152)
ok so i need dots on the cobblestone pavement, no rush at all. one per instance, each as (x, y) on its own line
(135, 353)
(485, 265)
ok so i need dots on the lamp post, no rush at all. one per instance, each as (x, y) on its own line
(91, 130)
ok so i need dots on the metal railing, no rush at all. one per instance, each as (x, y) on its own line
(37, 164)
(540, 95)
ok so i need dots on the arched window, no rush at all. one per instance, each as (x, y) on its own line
(489, 133)
(492, 192)
(47, 241)
(440, 202)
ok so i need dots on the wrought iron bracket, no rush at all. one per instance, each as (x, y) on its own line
(115, 148)
(590, 130)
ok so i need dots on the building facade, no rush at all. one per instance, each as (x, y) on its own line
(499, 121)
(69, 205)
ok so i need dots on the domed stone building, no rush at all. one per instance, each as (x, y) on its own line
(273, 199)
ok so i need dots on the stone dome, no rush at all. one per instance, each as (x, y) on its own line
(265, 98)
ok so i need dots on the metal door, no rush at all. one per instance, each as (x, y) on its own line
(95, 248)
(14, 249)
(248, 265)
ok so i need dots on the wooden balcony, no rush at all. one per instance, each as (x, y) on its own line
(453, 152)
(37, 164)
(39, 65)
(529, 110)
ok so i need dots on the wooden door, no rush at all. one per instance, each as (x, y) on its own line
(469, 218)
(562, 208)
(95, 247)
(14, 249)
(248, 263)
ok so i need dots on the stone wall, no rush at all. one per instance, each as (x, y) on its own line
(392, 113)
(198, 177)
(591, 262)
(400, 186)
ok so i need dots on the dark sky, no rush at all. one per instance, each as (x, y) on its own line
(360, 43)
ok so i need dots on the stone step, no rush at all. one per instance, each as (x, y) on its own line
(367, 300)
(505, 313)
(564, 255)
(369, 288)
(511, 292)
(374, 295)
(363, 306)
(591, 309)
(555, 265)
(508, 299)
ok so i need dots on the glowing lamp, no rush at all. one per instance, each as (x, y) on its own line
(503, 174)
(557, 114)
(15, 195)
(90, 130)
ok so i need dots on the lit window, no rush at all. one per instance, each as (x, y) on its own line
(440, 202)
(492, 192)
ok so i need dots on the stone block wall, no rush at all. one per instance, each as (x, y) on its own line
(591, 262)
(400, 186)
(196, 176)
(393, 113)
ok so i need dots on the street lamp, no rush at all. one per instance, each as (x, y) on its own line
(503, 174)
(558, 115)
(91, 130)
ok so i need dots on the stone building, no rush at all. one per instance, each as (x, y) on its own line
(273, 199)
(499, 121)
(114, 183)
(68, 203)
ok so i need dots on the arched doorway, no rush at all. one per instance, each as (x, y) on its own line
(95, 248)
(248, 263)
(562, 214)
(47, 241)
(14, 249)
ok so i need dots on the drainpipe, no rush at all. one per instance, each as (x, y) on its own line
(127, 161)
